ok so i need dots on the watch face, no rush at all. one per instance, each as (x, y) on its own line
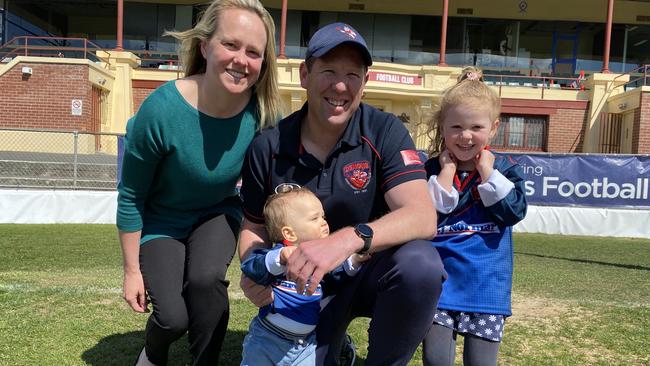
(364, 230)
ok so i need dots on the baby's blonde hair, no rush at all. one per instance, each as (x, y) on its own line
(276, 209)
(470, 90)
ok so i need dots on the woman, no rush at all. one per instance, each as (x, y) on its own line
(178, 209)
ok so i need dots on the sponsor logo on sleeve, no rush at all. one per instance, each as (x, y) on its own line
(410, 157)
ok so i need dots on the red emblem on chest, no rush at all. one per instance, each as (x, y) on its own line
(357, 174)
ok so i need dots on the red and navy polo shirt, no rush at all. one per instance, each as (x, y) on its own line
(374, 155)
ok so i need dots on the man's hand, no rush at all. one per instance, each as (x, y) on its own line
(313, 259)
(134, 293)
(257, 294)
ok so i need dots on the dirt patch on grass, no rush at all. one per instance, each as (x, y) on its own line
(526, 308)
(559, 329)
(108, 301)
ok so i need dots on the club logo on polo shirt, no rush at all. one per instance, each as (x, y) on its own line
(357, 174)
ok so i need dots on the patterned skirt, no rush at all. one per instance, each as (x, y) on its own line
(486, 326)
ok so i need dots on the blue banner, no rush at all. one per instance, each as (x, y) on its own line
(586, 180)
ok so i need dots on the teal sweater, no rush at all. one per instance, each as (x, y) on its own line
(180, 165)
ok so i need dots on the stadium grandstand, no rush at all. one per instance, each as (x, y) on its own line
(572, 74)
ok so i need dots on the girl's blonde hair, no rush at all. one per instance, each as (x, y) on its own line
(470, 90)
(193, 62)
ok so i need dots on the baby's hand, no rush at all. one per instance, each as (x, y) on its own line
(484, 164)
(285, 253)
(447, 160)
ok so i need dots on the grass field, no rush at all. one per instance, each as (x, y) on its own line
(576, 301)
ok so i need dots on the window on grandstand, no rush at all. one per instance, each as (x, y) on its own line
(518, 132)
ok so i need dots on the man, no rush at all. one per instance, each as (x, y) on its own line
(363, 166)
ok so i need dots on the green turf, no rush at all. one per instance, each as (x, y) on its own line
(576, 301)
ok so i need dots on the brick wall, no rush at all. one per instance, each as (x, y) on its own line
(141, 90)
(641, 134)
(43, 99)
(566, 121)
(139, 95)
(566, 130)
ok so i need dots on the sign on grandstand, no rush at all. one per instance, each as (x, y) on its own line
(386, 77)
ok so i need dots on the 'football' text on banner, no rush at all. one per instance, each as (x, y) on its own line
(586, 180)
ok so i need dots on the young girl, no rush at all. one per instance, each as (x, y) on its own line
(479, 198)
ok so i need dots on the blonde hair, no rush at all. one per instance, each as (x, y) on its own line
(193, 62)
(276, 208)
(469, 90)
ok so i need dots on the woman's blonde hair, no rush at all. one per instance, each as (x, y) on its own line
(193, 62)
(470, 90)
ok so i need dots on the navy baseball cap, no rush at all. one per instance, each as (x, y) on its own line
(333, 35)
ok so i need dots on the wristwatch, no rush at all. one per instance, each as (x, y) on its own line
(364, 232)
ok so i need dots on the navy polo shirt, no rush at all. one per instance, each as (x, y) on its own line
(374, 155)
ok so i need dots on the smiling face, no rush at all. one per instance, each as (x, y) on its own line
(334, 85)
(306, 218)
(467, 129)
(235, 52)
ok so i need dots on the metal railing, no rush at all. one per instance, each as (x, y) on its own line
(55, 159)
(638, 77)
(80, 48)
(540, 82)
(51, 47)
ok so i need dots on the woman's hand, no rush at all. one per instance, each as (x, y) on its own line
(134, 293)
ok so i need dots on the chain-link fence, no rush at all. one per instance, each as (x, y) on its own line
(53, 159)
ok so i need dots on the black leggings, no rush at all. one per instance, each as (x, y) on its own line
(439, 348)
(186, 283)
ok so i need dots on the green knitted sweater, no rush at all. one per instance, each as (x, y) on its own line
(180, 165)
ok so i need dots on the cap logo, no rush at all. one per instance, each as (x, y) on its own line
(347, 31)
(357, 175)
